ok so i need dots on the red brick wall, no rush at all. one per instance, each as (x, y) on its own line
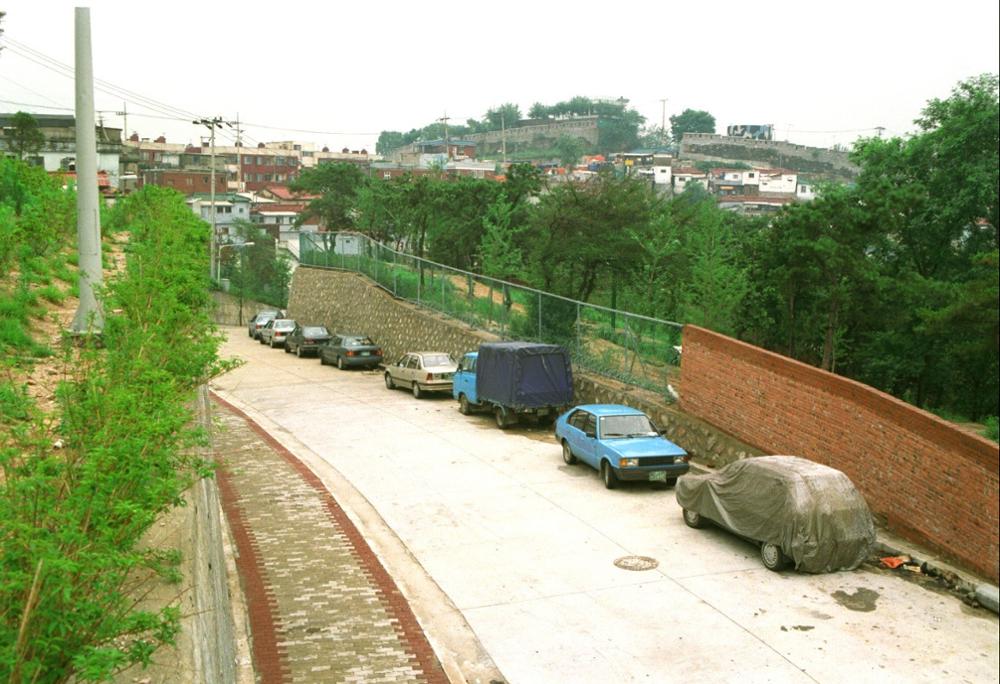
(930, 481)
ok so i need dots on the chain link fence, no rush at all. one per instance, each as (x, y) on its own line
(635, 349)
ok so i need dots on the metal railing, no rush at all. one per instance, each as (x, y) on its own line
(635, 349)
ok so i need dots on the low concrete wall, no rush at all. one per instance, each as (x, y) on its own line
(227, 309)
(206, 648)
(348, 302)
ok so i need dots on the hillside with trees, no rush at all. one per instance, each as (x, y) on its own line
(892, 280)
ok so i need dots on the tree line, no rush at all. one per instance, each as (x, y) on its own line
(892, 280)
(621, 128)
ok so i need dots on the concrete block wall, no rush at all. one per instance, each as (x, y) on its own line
(348, 302)
(927, 479)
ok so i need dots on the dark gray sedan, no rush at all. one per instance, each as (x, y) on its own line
(351, 351)
(307, 339)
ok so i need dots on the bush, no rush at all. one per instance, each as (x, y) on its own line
(71, 519)
(992, 430)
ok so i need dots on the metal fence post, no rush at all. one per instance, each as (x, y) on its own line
(539, 316)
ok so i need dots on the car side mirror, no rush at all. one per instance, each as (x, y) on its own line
(591, 434)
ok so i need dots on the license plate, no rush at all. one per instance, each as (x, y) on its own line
(658, 476)
(366, 353)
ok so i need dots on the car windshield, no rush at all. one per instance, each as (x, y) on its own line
(315, 331)
(431, 360)
(358, 342)
(626, 426)
(284, 325)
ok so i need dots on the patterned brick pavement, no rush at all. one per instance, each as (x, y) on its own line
(321, 606)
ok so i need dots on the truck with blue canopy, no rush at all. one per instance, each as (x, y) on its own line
(515, 381)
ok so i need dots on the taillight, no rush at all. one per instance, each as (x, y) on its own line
(377, 352)
(430, 376)
(352, 353)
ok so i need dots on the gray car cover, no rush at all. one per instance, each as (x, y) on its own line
(812, 511)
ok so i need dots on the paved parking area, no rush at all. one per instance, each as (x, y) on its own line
(523, 547)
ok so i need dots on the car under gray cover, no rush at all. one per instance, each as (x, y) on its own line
(812, 512)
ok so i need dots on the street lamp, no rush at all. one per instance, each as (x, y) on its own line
(243, 275)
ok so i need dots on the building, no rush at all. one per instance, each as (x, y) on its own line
(423, 154)
(229, 207)
(188, 182)
(686, 175)
(58, 152)
(754, 205)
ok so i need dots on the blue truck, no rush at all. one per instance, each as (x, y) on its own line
(515, 381)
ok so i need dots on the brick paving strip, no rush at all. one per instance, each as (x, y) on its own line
(321, 606)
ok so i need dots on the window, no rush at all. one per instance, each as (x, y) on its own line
(590, 427)
(579, 419)
(413, 362)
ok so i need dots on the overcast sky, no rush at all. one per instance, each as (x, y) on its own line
(822, 73)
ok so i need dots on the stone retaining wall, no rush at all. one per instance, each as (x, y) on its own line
(347, 302)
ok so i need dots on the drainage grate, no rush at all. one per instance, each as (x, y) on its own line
(636, 563)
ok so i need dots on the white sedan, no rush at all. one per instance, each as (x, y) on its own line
(422, 372)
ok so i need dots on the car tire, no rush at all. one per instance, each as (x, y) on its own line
(503, 422)
(568, 456)
(416, 390)
(692, 519)
(463, 405)
(286, 348)
(322, 359)
(772, 556)
(340, 362)
(608, 475)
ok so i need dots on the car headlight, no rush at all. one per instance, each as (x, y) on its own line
(628, 463)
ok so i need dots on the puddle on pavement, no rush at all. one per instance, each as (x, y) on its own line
(862, 599)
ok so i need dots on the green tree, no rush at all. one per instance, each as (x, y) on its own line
(388, 141)
(338, 185)
(23, 135)
(691, 121)
(499, 254)
(569, 150)
(507, 114)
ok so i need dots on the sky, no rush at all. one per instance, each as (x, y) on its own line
(338, 73)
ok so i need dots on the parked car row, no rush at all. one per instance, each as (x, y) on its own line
(797, 511)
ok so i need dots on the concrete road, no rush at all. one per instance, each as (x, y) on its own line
(524, 546)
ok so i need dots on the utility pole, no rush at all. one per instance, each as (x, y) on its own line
(447, 148)
(503, 135)
(124, 114)
(879, 130)
(239, 155)
(88, 318)
(663, 121)
(212, 124)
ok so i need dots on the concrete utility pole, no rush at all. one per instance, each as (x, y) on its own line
(447, 148)
(239, 155)
(212, 124)
(503, 135)
(88, 318)
(663, 121)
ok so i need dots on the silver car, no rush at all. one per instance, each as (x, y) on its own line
(422, 372)
(274, 333)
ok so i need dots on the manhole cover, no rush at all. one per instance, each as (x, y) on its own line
(636, 563)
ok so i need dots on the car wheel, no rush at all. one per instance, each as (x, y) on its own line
(416, 390)
(608, 475)
(287, 349)
(463, 405)
(322, 359)
(772, 556)
(568, 456)
(503, 422)
(340, 362)
(692, 519)
(389, 384)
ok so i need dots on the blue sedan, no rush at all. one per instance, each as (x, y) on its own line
(621, 443)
